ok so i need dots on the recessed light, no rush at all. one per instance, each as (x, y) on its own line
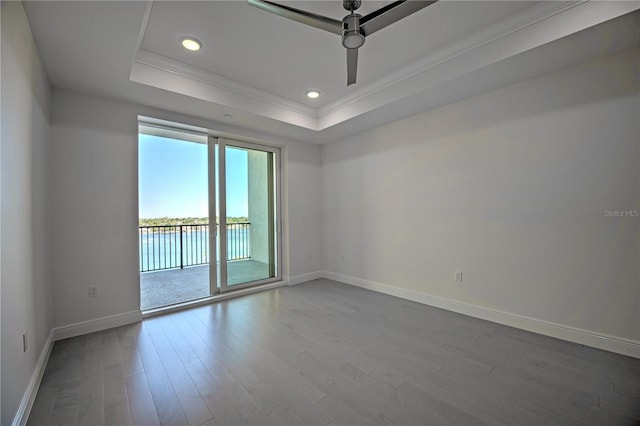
(313, 94)
(191, 43)
(228, 116)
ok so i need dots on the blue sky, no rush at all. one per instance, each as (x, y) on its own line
(173, 179)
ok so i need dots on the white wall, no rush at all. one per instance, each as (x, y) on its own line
(25, 268)
(95, 210)
(509, 187)
(303, 218)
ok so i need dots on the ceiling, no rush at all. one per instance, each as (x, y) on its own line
(286, 58)
(257, 67)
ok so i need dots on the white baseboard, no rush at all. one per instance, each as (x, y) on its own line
(59, 333)
(29, 396)
(303, 278)
(585, 337)
(98, 324)
(589, 338)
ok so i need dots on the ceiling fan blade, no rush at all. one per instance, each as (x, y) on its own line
(352, 66)
(389, 14)
(302, 16)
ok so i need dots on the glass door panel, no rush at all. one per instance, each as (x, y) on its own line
(175, 253)
(250, 215)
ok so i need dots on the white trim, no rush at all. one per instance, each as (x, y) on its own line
(221, 175)
(523, 19)
(163, 63)
(223, 143)
(172, 133)
(156, 71)
(212, 146)
(532, 27)
(148, 120)
(145, 22)
(536, 26)
(29, 396)
(589, 338)
(573, 334)
(303, 278)
(98, 324)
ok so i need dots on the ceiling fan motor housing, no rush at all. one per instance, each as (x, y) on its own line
(351, 5)
(352, 37)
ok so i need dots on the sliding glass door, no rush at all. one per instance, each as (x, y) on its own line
(249, 178)
(209, 209)
(174, 217)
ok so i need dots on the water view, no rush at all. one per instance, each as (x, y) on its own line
(177, 246)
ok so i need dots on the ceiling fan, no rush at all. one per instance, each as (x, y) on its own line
(353, 28)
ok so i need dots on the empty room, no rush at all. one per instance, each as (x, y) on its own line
(253, 212)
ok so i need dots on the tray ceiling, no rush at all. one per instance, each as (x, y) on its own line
(257, 66)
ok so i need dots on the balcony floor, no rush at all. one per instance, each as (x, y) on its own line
(171, 286)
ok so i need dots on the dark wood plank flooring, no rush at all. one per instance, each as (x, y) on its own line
(327, 353)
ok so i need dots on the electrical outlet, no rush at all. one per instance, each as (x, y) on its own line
(459, 276)
(93, 291)
(24, 342)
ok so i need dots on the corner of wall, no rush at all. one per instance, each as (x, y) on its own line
(25, 291)
(29, 396)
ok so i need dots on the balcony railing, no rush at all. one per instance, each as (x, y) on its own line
(177, 246)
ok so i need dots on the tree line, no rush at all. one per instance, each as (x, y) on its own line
(174, 221)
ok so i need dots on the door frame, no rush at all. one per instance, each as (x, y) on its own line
(217, 199)
(222, 143)
(212, 146)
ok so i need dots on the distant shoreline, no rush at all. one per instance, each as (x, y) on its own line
(173, 221)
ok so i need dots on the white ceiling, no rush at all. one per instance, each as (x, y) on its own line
(257, 66)
(286, 58)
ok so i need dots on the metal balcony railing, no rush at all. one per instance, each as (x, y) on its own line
(177, 246)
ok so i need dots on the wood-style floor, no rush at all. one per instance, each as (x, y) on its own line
(327, 353)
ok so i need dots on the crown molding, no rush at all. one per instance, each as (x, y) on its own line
(537, 25)
(145, 22)
(176, 67)
(505, 27)
(529, 29)
(226, 91)
(168, 74)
